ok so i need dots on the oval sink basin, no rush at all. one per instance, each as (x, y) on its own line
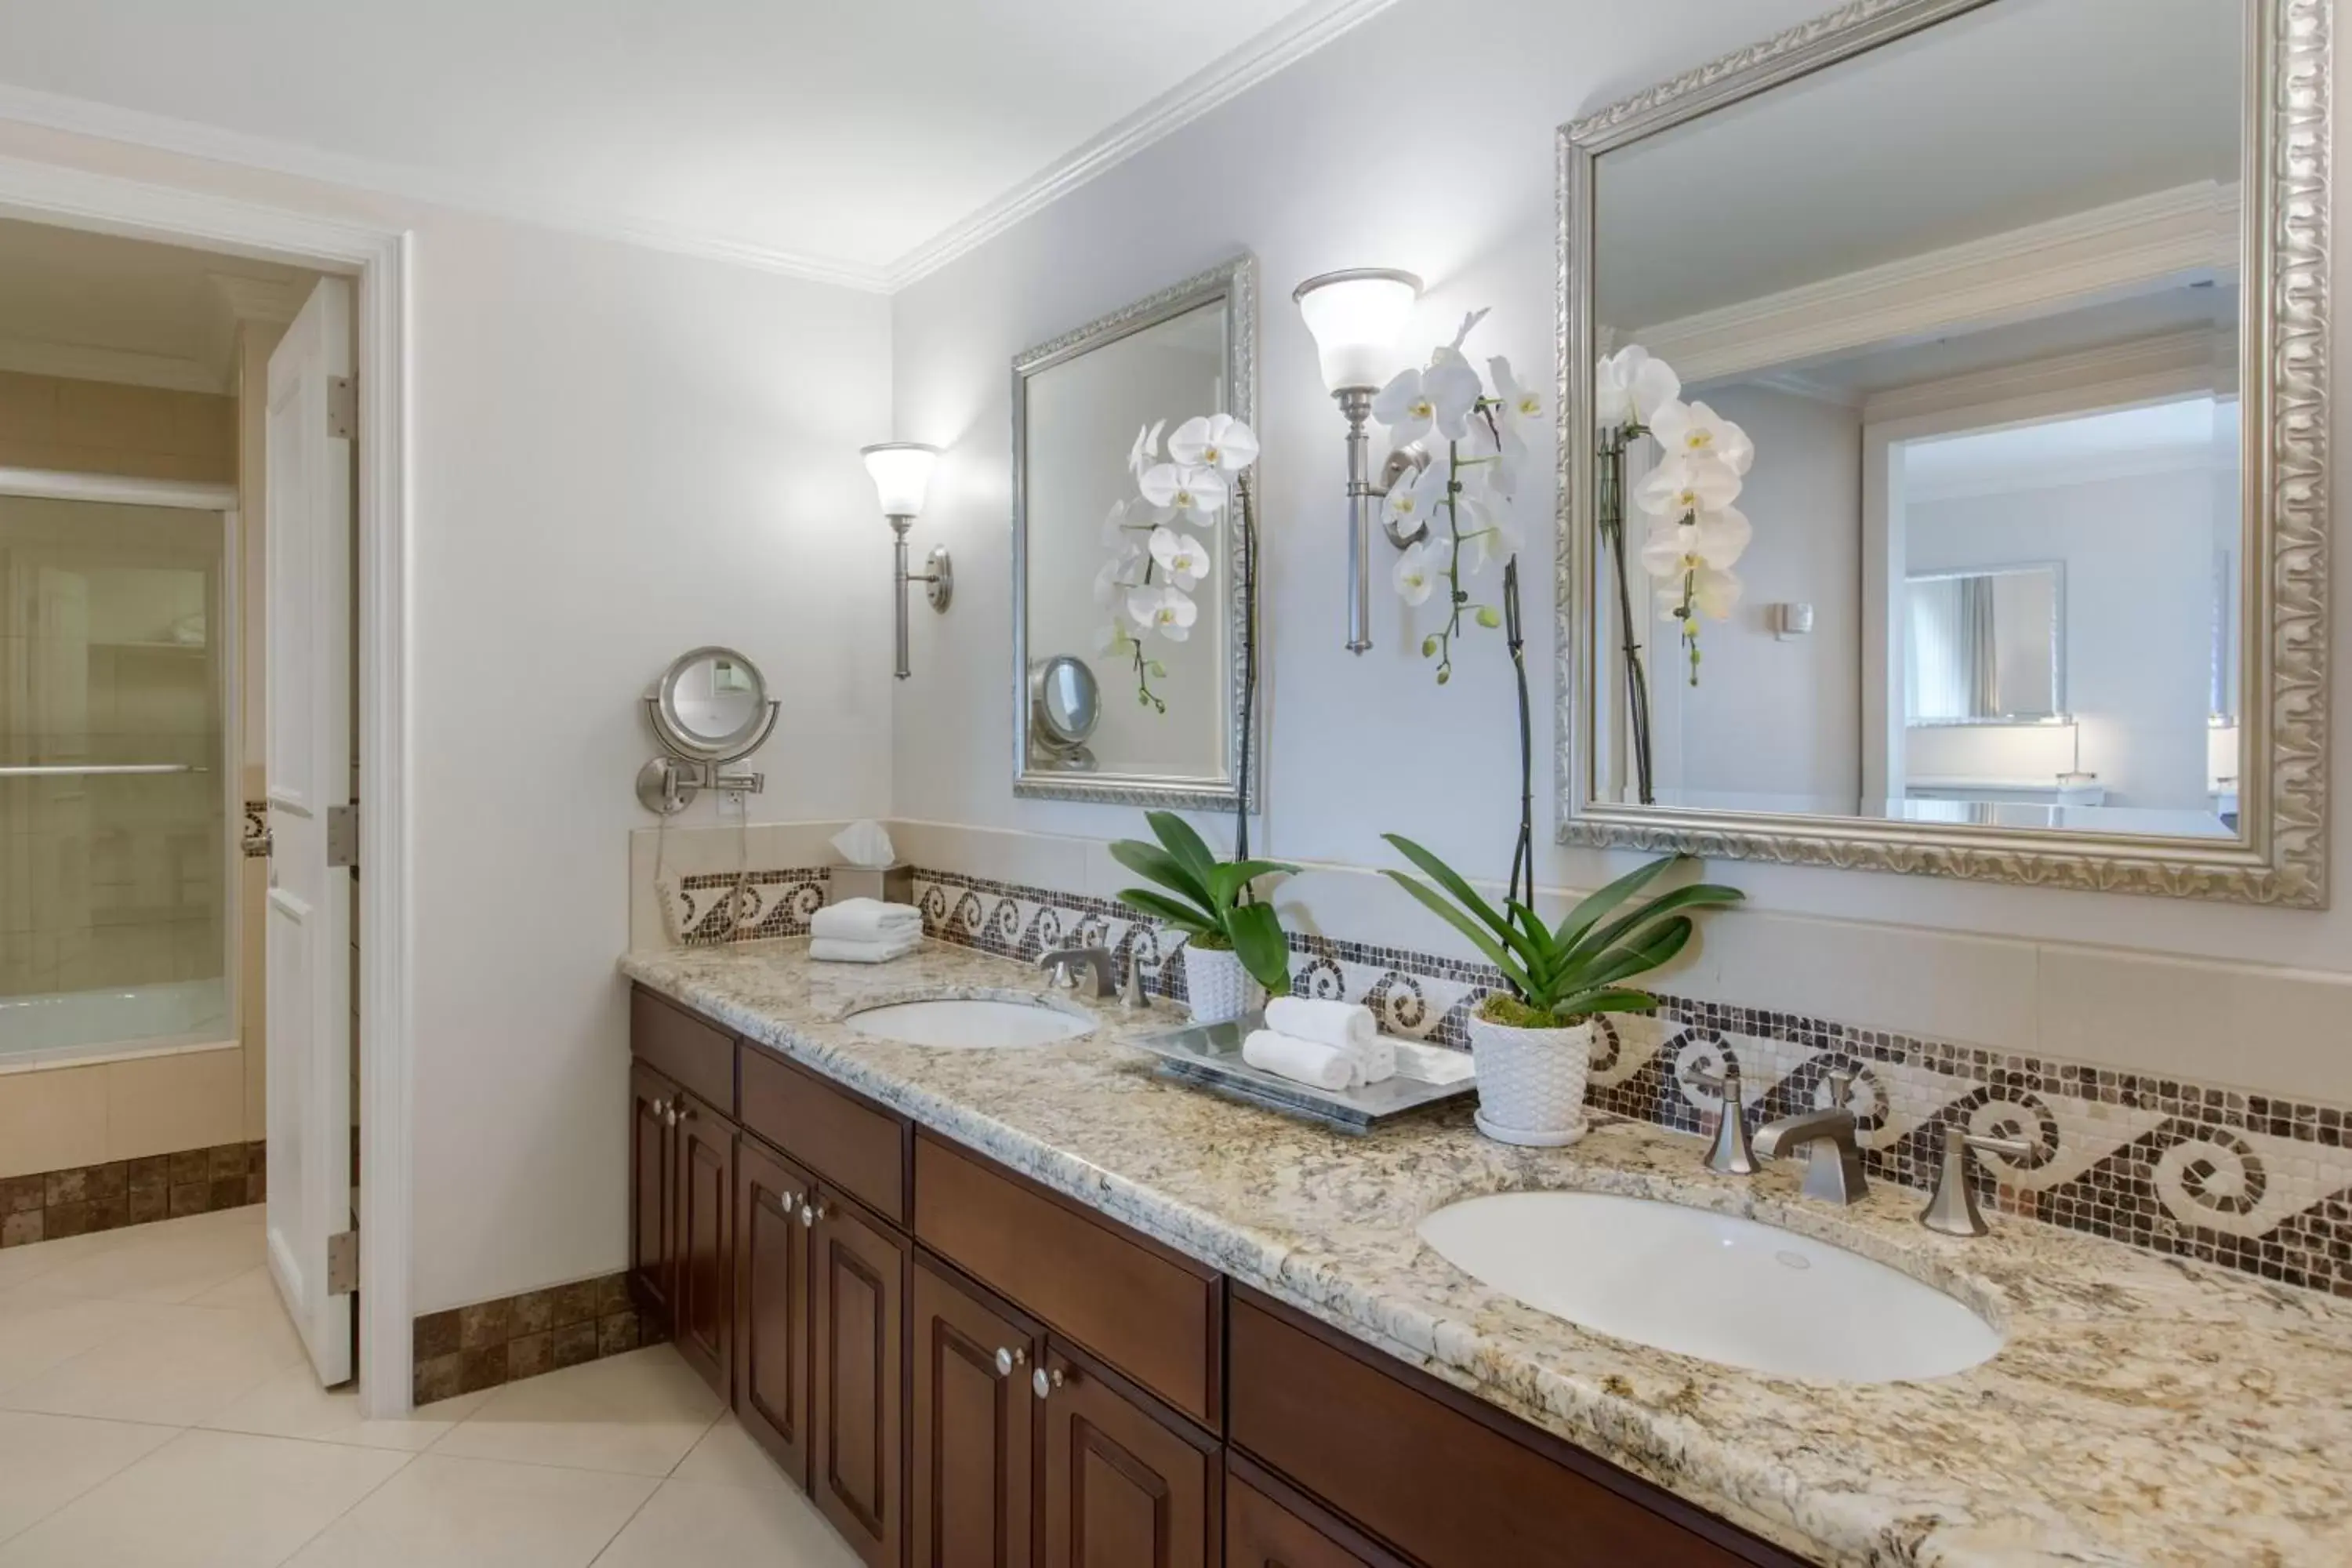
(1730, 1291)
(967, 1024)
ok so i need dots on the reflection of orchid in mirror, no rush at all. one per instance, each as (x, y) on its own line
(1695, 533)
(1154, 562)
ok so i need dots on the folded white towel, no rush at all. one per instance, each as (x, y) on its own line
(865, 919)
(1348, 1026)
(1302, 1061)
(838, 949)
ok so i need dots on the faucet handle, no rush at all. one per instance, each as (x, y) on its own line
(1952, 1210)
(1841, 1081)
(1730, 1154)
(1131, 994)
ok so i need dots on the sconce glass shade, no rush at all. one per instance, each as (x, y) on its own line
(902, 474)
(1356, 316)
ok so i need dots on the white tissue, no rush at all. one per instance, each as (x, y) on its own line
(866, 844)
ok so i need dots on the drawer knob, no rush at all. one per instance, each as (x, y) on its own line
(1044, 1379)
(1008, 1357)
(669, 1117)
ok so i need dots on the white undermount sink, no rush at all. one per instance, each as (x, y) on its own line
(967, 1023)
(1729, 1290)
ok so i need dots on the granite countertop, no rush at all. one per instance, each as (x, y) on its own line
(2144, 1410)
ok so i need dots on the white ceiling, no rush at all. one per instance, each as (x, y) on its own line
(97, 308)
(2193, 432)
(839, 139)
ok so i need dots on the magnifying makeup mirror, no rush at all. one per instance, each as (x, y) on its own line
(1065, 706)
(709, 709)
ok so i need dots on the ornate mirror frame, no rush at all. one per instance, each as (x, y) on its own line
(1234, 285)
(2280, 855)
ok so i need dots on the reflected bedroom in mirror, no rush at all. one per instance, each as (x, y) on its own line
(1129, 549)
(1914, 496)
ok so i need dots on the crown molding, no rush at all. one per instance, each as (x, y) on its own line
(1229, 76)
(264, 300)
(124, 367)
(186, 138)
(2143, 370)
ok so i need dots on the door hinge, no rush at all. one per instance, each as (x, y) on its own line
(343, 409)
(343, 835)
(343, 1263)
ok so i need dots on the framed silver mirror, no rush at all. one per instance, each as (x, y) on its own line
(1944, 449)
(709, 709)
(1166, 709)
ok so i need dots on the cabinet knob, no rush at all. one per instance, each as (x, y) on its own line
(661, 1109)
(813, 1210)
(669, 1117)
(1009, 1357)
(1044, 1379)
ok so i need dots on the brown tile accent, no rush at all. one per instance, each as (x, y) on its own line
(47, 1204)
(489, 1343)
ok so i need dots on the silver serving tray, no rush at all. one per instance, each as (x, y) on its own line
(1209, 1056)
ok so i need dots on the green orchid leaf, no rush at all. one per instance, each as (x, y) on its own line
(1258, 941)
(1183, 917)
(1155, 864)
(1226, 881)
(1655, 950)
(1480, 938)
(1587, 913)
(1185, 845)
(1462, 892)
(1585, 1003)
(1699, 895)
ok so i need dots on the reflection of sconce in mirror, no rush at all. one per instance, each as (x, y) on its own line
(902, 475)
(709, 709)
(1065, 706)
(1791, 621)
(1355, 316)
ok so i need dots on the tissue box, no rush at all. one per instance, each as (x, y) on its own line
(891, 884)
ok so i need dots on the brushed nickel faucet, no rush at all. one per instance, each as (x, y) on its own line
(1730, 1153)
(1063, 963)
(1830, 1139)
(1953, 1210)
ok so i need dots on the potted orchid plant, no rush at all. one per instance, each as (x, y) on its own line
(1695, 533)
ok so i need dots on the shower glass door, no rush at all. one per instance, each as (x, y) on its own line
(114, 799)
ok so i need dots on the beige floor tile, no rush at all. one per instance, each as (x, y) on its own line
(480, 1514)
(19, 1264)
(253, 1291)
(639, 1414)
(174, 1261)
(187, 1365)
(292, 1404)
(206, 1499)
(694, 1524)
(47, 1461)
(729, 1456)
(39, 1332)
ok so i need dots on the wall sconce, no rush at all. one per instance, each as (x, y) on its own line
(1355, 316)
(902, 475)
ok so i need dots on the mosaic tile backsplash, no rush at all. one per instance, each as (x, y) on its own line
(2238, 1179)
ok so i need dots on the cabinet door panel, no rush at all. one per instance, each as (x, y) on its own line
(1124, 1487)
(652, 1172)
(771, 1312)
(1265, 1532)
(975, 1428)
(703, 1301)
(857, 1274)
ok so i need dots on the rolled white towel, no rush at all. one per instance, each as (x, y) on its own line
(1302, 1061)
(836, 950)
(865, 919)
(1348, 1026)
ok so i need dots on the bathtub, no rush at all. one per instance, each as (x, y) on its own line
(116, 1021)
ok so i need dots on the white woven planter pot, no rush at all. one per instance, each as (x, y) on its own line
(1218, 987)
(1531, 1082)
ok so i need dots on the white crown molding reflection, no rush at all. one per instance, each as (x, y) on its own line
(125, 367)
(263, 299)
(1289, 41)
(2189, 230)
(2169, 364)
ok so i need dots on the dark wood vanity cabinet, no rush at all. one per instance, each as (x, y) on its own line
(964, 1369)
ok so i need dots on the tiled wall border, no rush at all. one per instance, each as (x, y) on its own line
(255, 840)
(47, 1205)
(2242, 1181)
(467, 1348)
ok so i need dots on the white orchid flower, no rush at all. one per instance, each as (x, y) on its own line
(1112, 641)
(1184, 558)
(1498, 460)
(1714, 539)
(1170, 611)
(1119, 573)
(1488, 534)
(1124, 522)
(1216, 441)
(1417, 502)
(1439, 397)
(1629, 387)
(1713, 593)
(1694, 430)
(1417, 573)
(1198, 493)
(1146, 450)
(1517, 402)
(1682, 485)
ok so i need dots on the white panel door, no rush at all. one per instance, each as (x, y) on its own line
(306, 956)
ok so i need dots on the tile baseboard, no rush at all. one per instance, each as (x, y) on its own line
(48, 1205)
(490, 1343)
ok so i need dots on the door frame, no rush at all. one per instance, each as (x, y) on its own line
(378, 257)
